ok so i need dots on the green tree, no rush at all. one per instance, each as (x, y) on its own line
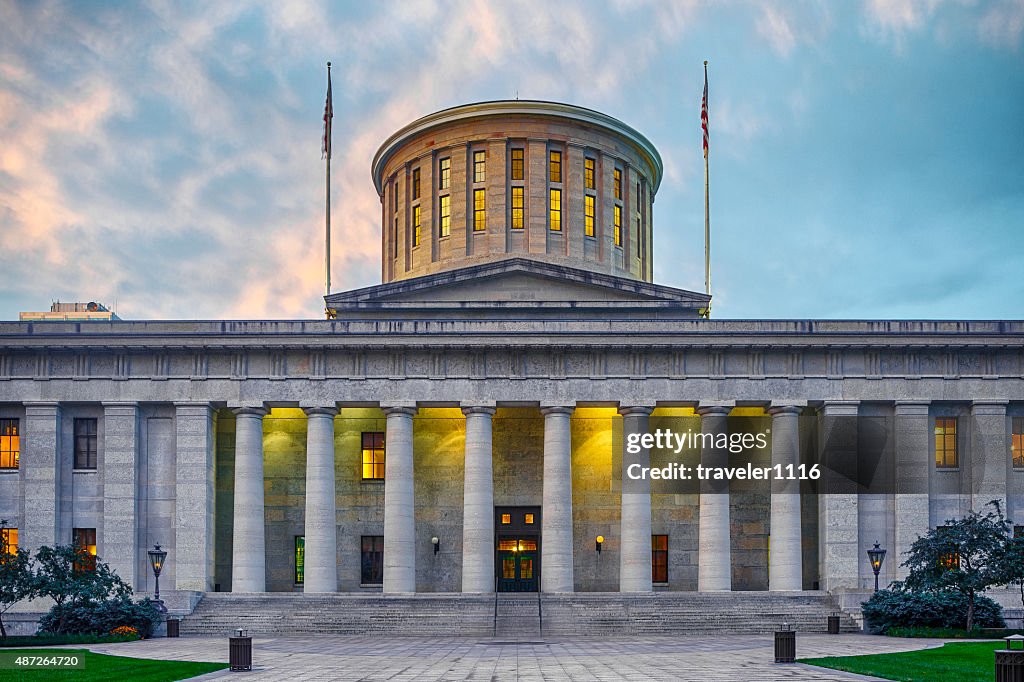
(964, 556)
(1013, 564)
(73, 578)
(17, 581)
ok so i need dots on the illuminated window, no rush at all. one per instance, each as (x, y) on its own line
(9, 540)
(10, 444)
(415, 225)
(300, 559)
(446, 215)
(85, 443)
(506, 519)
(639, 237)
(373, 456)
(85, 540)
(479, 210)
(950, 559)
(372, 560)
(527, 545)
(588, 215)
(415, 184)
(555, 166)
(556, 210)
(659, 558)
(617, 224)
(479, 160)
(946, 455)
(517, 208)
(588, 174)
(618, 184)
(518, 157)
(528, 519)
(1016, 445)
(445, 176)
(396, 236)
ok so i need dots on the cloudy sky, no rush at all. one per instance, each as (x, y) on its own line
(867, 157)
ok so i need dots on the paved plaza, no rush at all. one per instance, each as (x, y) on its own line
(726, 658)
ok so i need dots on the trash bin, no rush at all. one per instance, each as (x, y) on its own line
(833, 624)
(1010, 661)
(173, 627)
(240, 651)
(785, 644)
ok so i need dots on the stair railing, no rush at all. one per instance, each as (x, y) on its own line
(540, 615)
(494, 632)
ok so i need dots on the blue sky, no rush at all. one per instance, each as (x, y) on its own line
(867, 158)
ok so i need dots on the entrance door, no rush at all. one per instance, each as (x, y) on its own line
(517, 563)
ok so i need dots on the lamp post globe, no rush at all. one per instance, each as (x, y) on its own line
(876, 555)
(157, 557)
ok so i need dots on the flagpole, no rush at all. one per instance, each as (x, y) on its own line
(707, 210)
(328, 115)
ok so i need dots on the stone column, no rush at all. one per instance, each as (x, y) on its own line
(195, 495)
(321, 529)
(120, 493)
(248, 559)
(785, 565)
(838, 502)
(477, 503)
(635, 527)
(399, 502)
(914, 460)
(556, 519)
(714, 558)
(990, 459)
(41, 471)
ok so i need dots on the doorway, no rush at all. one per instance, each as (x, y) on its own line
(517, 548)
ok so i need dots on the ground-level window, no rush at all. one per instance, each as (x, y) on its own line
(950, 559)
(659, 558)
(9, 540)
(85, 443)
(300, 559)
(946, 455)
(10, 444)
(1016, 444)
(372, 560)
(373, 455)
(85, 539)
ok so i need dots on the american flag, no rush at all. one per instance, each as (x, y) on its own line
(704, 112)
(325, 151)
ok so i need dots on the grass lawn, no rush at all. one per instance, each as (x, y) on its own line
(103, 667)
(957, 662)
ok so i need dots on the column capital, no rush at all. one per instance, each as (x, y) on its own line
(479, 409)
(409, 409)
(839, 408)
(912, 407)
(777, 408)
(120, 403)
(42, 406)
(330, 411)
(255, 410)
(556, 409)
(714, 407)
(995, 408)
(643, 410)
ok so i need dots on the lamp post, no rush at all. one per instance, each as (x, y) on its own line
(156, 560)
(600, 543)
(876, 555)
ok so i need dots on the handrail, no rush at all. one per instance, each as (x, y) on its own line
(494, 632)
(540, 615)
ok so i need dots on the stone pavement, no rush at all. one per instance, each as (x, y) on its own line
(707, 658)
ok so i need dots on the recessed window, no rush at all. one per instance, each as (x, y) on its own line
(10, 444)
(446, 215)
(506, 519)
(946, 455)
(556, 210)
(372, 560)
(618, 184)
(415, 184)
(373, 455)
(479, 163)
(9, 538)
(517, 208)
(659, 558)
(617, 224)
(394, 193)
(528, 519)
(639, 238)
(588, 173)
(396, 237)
(555, 166)
(85, 539)
(445, 173)
(518, 157)
(638, 196)
(1017, 443)
(951, 559)
(415, 225)
(85, 443)
(300, 559)
(479, 210)
(588, 215)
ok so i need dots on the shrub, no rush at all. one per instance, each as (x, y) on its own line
(100, 618)
(947, 609)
